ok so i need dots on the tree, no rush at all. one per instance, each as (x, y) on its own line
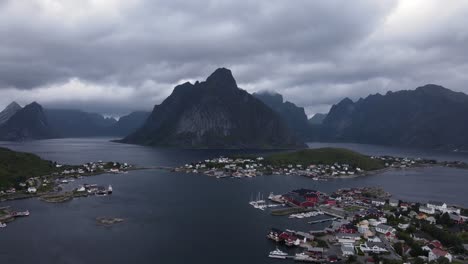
(445, 220)
(399, 248)
(443, 260)
(351, 259)
(418, 261)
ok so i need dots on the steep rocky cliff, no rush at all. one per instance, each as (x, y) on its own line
(214, 114)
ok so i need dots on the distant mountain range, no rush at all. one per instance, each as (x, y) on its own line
(214, 114)
(34, 122)
(129, 123)
(429, 117)
(74, 123)
(317, 119)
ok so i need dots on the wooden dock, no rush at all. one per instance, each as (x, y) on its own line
(322, 220)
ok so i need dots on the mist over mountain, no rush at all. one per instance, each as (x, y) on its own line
(214, 114)
(430, 117)
(27, 123)
(76, 123)
(129, 123)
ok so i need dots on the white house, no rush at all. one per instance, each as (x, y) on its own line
(363, 228)
(452, 210)
(374, 222)
(440, 206)
(345, 238)
(427, 210)
(347, 249)
(32, 190)
(403, 226)
(373, 248)
(436, 253)
(378, 202)
(374, 239)
(384, 229)
(431, 220)
(382, 220)
(393, 202)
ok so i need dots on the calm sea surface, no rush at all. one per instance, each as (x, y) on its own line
(184, 218)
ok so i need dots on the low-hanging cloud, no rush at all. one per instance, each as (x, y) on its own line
(115, 56)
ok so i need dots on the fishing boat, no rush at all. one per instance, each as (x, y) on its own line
(16, 214)
(278, 254)
(259, 203)
(302, 257)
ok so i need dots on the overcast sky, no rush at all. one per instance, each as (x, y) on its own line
(113, 57)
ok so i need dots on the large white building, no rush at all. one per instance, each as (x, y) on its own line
(384, 229)
(426, 209)
(440, 206)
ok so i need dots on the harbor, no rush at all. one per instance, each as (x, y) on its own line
(366, 223)
(8, 215)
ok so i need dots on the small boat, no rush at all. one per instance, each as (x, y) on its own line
(109, 189)
(278, 254)
(302, 256)
(2, 225)
(16, 214)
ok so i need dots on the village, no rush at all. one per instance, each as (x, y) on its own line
(224, 167)
(65, 174)
(49, 188)
(365, 225)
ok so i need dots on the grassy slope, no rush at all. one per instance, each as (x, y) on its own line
(326, 156)
(17, 166)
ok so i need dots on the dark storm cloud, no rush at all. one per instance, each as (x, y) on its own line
(115, 56)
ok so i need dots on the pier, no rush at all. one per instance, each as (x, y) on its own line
(332, 212)
(322, 220)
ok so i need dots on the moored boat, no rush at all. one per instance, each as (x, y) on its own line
(16, 214)
(278, 254)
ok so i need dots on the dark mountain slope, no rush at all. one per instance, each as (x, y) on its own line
(129, 123)
(26, 124)
(293, 115)
(430, 116)
(8, 112)
(213, 114)
(76, 123)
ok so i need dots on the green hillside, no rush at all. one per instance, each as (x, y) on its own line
(16, 167)
(326, 156)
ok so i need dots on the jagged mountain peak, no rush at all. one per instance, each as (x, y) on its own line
(9, 111)
(13, 105)
(221, 78)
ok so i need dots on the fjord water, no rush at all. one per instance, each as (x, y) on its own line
(178, 217)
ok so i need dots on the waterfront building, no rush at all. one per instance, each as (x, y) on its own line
(440, 206)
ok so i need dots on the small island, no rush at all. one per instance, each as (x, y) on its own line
(25, 175)
(318, 164)
(109, 221)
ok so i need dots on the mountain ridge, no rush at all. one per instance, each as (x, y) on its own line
(430, 116)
